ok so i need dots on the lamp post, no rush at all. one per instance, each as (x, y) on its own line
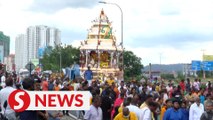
(102, 2)
(60, 59)
(59, 47)
(204, 73)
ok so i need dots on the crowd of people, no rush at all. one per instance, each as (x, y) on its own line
(113, 99)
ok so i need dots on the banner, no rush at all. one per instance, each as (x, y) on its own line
(20, 100)
(207, 57)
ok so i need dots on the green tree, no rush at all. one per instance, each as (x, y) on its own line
(180, 76)
(132, 66)
(51, 57)
(167, 76)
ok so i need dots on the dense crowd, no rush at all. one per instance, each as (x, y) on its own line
(114, 99)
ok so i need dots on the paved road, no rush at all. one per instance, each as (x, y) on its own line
(72, 116)
(67, 118)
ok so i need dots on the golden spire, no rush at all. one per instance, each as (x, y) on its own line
(102, 11)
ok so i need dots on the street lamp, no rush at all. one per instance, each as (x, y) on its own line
(121, 18)
(102, 2)
(60, 58)
(204, 74)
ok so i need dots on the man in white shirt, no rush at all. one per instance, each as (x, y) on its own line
(147, 111)
(208, 83)
(169, 87)
(134, 108)
(140, 88)
(196, 110)
(4, 95)
(3, 80)
(95, 112)
(196, 84)
(120, 75)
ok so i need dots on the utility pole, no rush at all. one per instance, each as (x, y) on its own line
(204, 74)
(60, 59)
(150, 72)
(186, 70)
(30, 68)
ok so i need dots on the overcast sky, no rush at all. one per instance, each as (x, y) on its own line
(174, 31)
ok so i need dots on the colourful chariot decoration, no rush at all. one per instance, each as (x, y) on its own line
(99, 50)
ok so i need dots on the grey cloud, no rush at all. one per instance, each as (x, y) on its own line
(176, 40)
(51, 6)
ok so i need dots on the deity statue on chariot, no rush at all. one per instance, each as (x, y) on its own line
(100, 50)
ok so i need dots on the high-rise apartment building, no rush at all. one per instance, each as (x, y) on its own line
(21, 50)
(4, 46)
(36, 37)
(54, 37)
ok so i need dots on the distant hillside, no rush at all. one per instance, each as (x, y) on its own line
(165, 68)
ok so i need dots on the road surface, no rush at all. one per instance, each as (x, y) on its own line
(67, 118)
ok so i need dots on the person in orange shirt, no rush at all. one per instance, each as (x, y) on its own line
(195, 93)
(115, 89)
(126, 115)
(44, 85)
(56, 87)
(70, 87)
(165, 107)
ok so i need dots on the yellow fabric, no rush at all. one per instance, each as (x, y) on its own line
(143, 105)
(132, 116)
(163, 110)
(110, 82)
(90, 98)
(189, 97)
(120, 109)
(153, 117)
(101, 90)
(157, 88)
(91, 101)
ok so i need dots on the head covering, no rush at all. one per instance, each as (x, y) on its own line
(65, 83)
(169, 100)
